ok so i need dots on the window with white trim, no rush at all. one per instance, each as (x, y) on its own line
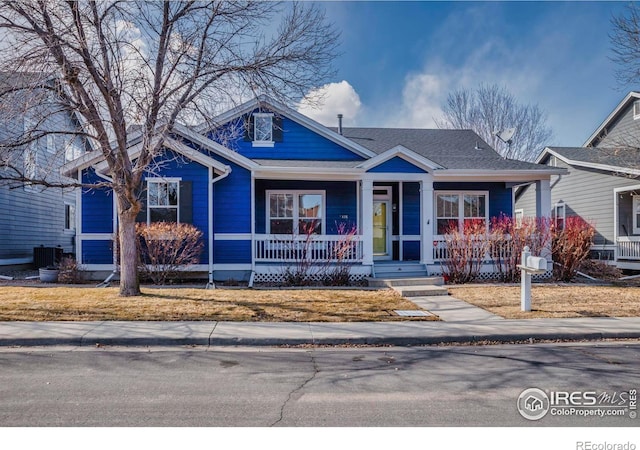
(636, 110)
(636, 214)
(559, 215)
(519, 217)
(69, 216)
(263, 128)
(163, 203)
(457, 209)
(295, 212)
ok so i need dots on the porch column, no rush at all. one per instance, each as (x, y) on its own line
(543, 198)
(367, 222)
(426, 221)
(543, 210)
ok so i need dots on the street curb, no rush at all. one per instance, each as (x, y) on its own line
(328, 341)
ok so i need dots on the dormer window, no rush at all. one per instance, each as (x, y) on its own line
(636, 110)
(263, 129)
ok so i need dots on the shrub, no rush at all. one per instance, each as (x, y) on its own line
(570, 246)
(69, 271)
(337, 270)
(600, 270)
(166, 248)
(509, 237)
(465, 251)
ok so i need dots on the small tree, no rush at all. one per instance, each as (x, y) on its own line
(165, 249)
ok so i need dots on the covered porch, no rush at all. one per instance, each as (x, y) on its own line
(627, 227)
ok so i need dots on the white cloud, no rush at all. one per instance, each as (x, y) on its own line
(325, 103)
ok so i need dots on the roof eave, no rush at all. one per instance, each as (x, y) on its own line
(618, 109)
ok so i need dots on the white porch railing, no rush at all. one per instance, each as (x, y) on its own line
(316, 248)
(496, 252)
(629, 247)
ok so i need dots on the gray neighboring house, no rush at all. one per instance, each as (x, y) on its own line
(602, 185)
(32, 216)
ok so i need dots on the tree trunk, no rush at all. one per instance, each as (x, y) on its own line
(129, 281)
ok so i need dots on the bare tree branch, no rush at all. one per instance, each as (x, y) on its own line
(490, 109)
(147, 65)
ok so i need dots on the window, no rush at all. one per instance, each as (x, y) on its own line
(519, 217)
(51, 143)
(263, 128)
(459, 209)
(636, 214)
(162, 200)
(69, 216)
(636, 110)
(295, 212)
(559, 214)
(30, 166)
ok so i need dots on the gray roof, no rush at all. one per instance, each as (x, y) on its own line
(617, 157)
(452, 149)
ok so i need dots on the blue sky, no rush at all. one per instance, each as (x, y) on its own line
(400, 60)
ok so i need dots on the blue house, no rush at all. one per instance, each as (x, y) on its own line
(268, 181)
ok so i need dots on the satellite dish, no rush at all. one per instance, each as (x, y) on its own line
(506, 135)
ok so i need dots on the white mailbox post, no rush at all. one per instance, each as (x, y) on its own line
(529, 265)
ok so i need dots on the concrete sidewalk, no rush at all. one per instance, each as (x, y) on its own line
(461, 323)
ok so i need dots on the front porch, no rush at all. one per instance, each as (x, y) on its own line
(627, 227)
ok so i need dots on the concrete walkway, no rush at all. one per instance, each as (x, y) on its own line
(461, 323)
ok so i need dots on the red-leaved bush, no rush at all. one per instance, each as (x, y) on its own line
(509, 237)
(465, 251)
(570, 246)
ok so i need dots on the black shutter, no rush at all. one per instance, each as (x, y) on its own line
(248, 128)
(186, 202)
(142, 196)
(277, 129)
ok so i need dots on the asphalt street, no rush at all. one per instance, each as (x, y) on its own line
(264, 387)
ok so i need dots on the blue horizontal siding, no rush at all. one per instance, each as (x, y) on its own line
(340, 199)
(500, 199)
(173, 165)
(97, 206)
(232, 201)
(298, 143)
(97, 252)
(410, 208)
(232, 252)
(397, 165)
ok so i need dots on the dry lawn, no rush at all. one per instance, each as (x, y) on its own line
(554, 300)
(307, 305)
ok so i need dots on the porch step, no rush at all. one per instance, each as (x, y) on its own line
(404, 282)
(421, 290)
(403, 270)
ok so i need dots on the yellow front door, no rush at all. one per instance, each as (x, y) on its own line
(380, 229)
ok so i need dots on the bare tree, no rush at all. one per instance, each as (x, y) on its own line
(625, 44)
(490, 109)
(152, 64)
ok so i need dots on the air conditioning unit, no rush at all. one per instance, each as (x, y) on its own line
(46, 256)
